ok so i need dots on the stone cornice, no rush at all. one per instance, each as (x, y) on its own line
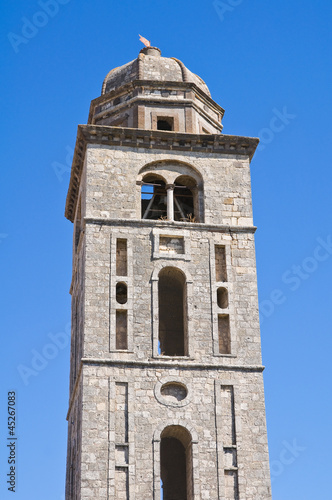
(183, 365)
(170, 225)
(154, 101)
(219, 144)
(128, 87)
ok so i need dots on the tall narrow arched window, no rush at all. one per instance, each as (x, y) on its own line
(153, 198)
(172, 312)
(176, 464)
(185, 199)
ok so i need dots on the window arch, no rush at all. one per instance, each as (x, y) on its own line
(172, 298)
(171, 191)
(176, 463)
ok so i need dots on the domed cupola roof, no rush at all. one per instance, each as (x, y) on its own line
(156, 93)
(149, 65)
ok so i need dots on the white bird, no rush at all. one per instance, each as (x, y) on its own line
(146, 42)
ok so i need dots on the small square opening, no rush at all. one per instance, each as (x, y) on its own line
(165, 123)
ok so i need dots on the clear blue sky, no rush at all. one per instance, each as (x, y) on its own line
(269, 65)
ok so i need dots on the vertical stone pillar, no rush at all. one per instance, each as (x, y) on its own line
(170, 201)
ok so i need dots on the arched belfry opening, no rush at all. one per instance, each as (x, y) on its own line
(172, 299)
(172, 191)
(153, 198)
(185, 199)
(176, 468)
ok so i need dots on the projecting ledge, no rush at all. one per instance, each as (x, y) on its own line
(185, 365)
(169, 225)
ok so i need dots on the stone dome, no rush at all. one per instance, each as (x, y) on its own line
(156, 93)
(149, 65)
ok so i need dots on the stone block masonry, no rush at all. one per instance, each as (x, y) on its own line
(166, 384)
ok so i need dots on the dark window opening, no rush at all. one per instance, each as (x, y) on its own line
(154, 199)
(121, 341)
(224, 334)
(221, 269)
(176, 467)
(173, 469)
(165, 124)
(121, 293)
(222, 298)
(121, 257)
(184, 209)
(172, 313)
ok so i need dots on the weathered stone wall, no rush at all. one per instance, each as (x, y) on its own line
(112, 191)
(75, 460)
(146, 413)
(100, 283)
(216, 398)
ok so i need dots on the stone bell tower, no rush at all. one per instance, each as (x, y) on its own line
(166, 387)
